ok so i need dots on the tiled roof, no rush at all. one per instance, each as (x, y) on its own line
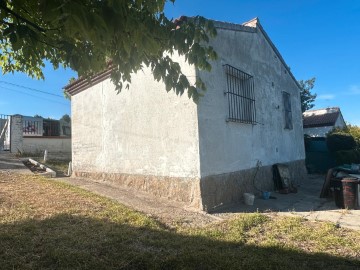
(81, 84)
(321, 118)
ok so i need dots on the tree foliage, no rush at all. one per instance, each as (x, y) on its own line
(352, 130)
(307, 98)
(91, 35)
(66, 118)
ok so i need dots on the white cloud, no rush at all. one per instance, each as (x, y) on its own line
(325, 97)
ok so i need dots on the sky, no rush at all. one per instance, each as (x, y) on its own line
(317, 38)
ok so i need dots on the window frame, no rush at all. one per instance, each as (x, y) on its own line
(288, 121)
(240, 96)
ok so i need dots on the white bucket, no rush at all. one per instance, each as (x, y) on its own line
(249, 198)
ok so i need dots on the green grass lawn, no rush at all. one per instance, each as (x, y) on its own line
(45, 224)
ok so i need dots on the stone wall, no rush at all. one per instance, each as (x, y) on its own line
(180, 189)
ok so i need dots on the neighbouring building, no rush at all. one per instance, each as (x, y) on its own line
(317, 123)
(206, 154)
(31, 136)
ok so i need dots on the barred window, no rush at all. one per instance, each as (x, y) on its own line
(287, 110)
(241, 97)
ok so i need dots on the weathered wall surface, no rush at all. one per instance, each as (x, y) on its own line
(58, 148)
(16, 131)
(183, 189)
(141, 131)
(227, 147)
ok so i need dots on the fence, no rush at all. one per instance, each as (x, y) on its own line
(45, 127)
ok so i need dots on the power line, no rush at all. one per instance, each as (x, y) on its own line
(19, 91)
(32, 89)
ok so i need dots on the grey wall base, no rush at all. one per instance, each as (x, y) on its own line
(174, 188)
(210, 193)
(219, 191)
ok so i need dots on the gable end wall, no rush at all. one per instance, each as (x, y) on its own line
(229, 151)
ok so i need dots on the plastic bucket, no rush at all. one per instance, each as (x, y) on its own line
(266, 195)
(249, 198)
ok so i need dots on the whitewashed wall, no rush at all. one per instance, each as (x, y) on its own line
(228, 146)
(58, 148)
(143, 130)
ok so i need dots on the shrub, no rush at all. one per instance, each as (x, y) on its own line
(347, 157)
(355, 132)
(339, 140)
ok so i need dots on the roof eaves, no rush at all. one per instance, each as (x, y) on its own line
(82, 84)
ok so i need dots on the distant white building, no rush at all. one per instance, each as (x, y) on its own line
(206, 154)
(317, 123)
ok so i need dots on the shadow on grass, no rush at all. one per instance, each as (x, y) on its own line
(73, 242)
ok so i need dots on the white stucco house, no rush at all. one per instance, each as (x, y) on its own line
(317, 123)
(207, 154)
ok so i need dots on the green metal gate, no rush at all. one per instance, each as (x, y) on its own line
(318, 158)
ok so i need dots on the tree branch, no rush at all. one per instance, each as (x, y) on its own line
(17, 16)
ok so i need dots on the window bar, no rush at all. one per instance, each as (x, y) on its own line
(228, 96)
(241, 98)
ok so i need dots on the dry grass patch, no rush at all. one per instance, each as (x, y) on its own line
(45, 224)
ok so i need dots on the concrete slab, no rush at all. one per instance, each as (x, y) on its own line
(329, 216)
(306, 203)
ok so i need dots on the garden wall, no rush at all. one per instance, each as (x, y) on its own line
(58, 147)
